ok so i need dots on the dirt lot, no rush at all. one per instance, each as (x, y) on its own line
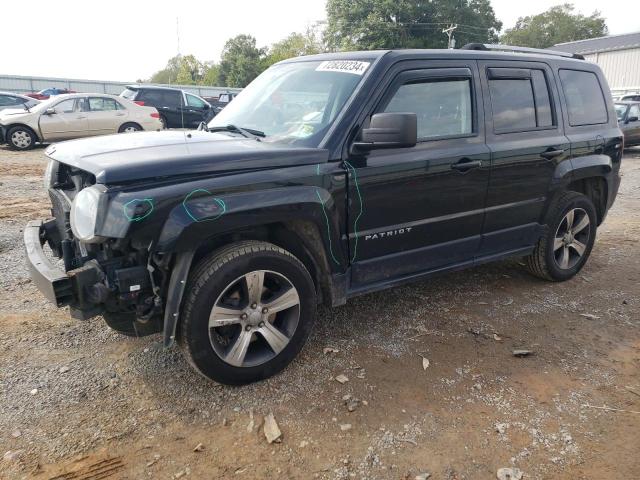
(78, 401)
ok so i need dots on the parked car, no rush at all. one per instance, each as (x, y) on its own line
(74, 116)
(15, 100)
(331, 176)
(221, 101)
(49, 92)
(177, 108)
(628, 114)
(630, 98)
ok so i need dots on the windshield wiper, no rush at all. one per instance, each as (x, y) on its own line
(245, 132)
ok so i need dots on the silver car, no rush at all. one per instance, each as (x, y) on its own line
(15, 100)
(74, 116)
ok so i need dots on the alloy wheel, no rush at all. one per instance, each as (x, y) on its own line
(21, 139)
(254, 318)
(130, 129)
(571, 238)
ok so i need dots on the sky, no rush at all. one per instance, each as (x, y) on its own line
(131, 40)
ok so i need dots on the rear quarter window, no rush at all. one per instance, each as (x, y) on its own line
(584, 96)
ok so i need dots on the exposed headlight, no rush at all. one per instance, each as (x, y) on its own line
(48, 174)
(84, 214)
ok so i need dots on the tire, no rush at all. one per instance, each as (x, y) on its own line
(247, 342)
(21, 138)
(565, 247)
(163, 121)
(129, 128)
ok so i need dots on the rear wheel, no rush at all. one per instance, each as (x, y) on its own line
(130, 128)
(163, 121)
(249, 310)
(571, 233)
(21, 138)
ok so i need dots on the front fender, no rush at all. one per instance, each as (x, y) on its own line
(203, 215)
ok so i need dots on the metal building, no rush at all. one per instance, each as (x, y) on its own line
(21, 84)
(617, 55)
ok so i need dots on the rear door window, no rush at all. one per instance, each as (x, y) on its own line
(520, 100)
(172, 99)
(585, 100)
(99, 104)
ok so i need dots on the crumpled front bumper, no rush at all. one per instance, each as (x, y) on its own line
(53, 282)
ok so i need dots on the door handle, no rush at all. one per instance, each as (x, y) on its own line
(119, 114)
(80, 117)
(465, 165)
(549, 154)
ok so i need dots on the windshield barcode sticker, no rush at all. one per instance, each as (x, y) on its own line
(345, 66)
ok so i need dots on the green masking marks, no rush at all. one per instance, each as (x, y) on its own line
(355, 222)
(326, 219)
(138, 209)
(214, 210)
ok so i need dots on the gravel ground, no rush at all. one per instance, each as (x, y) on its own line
(79, 401)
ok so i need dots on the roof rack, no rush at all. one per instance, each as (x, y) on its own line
(509, 48)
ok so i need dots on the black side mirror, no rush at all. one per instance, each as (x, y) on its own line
(389, 130)
(631, 119)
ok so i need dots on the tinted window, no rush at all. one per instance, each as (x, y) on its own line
(99, 104)
(443, 107)
(544, 112)
(512, 105)
(66, 106)
(520, 100)
(151, 97)
(194, 101)
(585, 101)
(172, 99)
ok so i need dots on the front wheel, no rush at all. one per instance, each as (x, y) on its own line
(249, 311)
(571, 232)
(21, 138)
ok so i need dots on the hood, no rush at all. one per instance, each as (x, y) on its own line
(136, 156)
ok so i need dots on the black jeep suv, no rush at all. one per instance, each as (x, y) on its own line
(329, 176)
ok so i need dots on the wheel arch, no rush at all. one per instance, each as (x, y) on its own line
(24, 125)
(121, 127)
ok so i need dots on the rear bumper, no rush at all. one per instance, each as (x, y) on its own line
(53, 282)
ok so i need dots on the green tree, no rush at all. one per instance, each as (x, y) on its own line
(211, 74)
(371, 24)
(241, 61)
(190, 72)
(168, 74)
(557, 25)
(295, 45)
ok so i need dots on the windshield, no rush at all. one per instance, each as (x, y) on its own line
(294, 103)
(621, 109)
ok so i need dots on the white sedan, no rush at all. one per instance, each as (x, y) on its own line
(74, 116)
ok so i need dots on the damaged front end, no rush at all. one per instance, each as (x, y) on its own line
(91, 273)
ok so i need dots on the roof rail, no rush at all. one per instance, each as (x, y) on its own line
(509, 48)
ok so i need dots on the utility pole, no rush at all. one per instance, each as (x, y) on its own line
(178, 33)
(449, 31)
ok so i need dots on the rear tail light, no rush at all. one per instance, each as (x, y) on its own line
(139, 102)
(155, 115)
